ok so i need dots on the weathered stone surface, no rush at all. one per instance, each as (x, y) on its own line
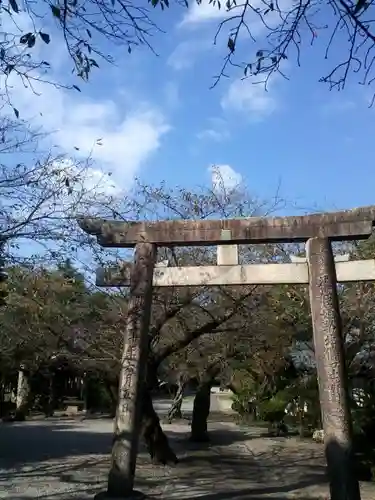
(72, 409)
(227, 255)
(134, 495)
(350, 224)
(132, 374)
(330, 363)
(318, 436)
(253, 274)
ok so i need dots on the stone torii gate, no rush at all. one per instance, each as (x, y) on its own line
(318, 271)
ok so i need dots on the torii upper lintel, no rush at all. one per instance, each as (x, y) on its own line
(336, 226)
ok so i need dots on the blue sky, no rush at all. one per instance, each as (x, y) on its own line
(158, 118)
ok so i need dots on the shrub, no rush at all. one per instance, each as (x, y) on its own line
(273, 410)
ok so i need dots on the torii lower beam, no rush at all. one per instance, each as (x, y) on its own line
(253, 274)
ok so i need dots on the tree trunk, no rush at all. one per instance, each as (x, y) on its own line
(175, 409)
(49, 402)
(23, 399)
(156, 441)
(112, 390)
(201, 410)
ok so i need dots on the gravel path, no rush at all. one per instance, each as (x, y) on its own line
(68, 460)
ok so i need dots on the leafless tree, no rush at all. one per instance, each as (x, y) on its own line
(42, 193)
(287, 26)
(271, 31)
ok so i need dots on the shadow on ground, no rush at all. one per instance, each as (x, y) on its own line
(28, 442)
(69, 461)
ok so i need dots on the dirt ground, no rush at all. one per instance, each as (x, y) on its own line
(69, 459)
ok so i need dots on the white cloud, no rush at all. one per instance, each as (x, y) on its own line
(204, 12)
(75, 122)
(337, 105)
(224, 178)
(249, 97)
(186, 53)
(208, 15)
(216, 131)
(212, 134)
(14, 26)
(59, 190)
(172, 95)
(127, 139)
(88, 179)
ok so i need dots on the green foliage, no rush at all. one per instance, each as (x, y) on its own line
(363, 417)
(52, 312)
(273, 410)
(98, 397)
(247, 391)
(363, 414)
(3, 284)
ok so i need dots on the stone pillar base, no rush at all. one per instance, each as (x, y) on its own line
(134, 495)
